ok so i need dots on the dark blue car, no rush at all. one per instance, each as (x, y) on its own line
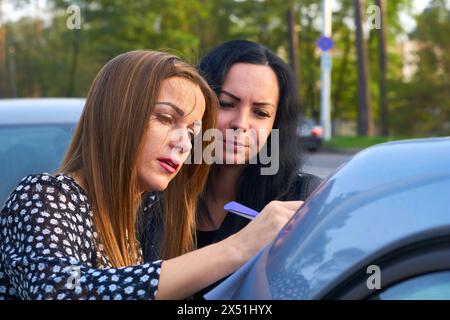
(379, 228)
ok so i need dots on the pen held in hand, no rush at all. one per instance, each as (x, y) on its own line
(241, 210)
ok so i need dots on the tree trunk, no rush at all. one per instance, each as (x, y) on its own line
(293, 42)
(12, 71)
(365, 124)
(74, 63)
(341, 74)
(384, 116)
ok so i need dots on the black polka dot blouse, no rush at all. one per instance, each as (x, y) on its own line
(49, 248)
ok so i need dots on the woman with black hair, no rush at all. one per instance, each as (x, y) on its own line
(257, 92)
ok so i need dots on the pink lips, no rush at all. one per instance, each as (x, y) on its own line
(168, 164)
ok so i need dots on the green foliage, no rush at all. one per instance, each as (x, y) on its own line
(423, 106)
(51, 60)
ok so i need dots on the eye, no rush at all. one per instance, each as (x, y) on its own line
(226, 105)
(165, 118)
(262, 114)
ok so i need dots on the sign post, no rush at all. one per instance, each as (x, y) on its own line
(325, 43)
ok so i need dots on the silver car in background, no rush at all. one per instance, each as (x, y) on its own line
(310, 134)
(34, 135)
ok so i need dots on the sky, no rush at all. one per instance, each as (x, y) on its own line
(13, 14)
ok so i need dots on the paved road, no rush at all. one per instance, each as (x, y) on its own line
(324, 163)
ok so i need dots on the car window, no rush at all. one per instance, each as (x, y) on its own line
(433, 286)
(30, 149)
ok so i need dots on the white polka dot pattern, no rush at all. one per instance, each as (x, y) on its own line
(48, 248)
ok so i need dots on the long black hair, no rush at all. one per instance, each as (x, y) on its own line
(256, 190)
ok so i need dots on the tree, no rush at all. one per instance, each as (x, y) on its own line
(293, 40)
(51, 60)
(425, 107)
(365, 122)
(384, 120)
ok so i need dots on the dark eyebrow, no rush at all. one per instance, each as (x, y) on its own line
(264, 104)
(230, 94)
(239, 99)
(170, 104)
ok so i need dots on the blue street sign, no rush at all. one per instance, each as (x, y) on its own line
(325, 43)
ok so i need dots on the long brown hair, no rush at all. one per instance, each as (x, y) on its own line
(106, 145)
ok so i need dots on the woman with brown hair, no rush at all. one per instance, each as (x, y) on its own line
(72, 235)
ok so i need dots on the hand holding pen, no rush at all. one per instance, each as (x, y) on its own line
(264, 226)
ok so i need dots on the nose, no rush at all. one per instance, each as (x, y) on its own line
(240, 119)
(181, 141)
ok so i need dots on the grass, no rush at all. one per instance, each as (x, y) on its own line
(358, 142)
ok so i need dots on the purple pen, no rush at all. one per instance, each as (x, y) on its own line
(239, 209)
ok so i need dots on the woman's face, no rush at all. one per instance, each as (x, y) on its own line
(248, 106)
(175, 120)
